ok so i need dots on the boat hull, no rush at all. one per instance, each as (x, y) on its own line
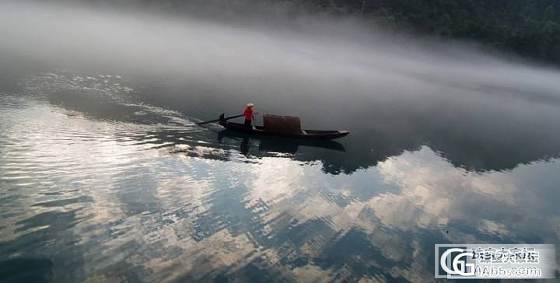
(305, 134)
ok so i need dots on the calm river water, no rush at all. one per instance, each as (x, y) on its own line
(98, 186)
(105, 177)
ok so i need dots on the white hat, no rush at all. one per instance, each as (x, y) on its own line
(250, 104)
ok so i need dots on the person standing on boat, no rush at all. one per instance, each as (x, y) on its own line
(249, 115)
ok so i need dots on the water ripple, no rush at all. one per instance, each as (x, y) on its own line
(141, 194)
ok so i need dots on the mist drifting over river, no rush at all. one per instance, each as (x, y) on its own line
(332, 72)
(313, 59)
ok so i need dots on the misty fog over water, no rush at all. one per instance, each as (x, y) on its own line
(103, 169)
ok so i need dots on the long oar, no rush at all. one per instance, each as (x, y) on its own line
(212, 121)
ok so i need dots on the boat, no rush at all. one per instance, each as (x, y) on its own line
(269, 143)
(282, 126)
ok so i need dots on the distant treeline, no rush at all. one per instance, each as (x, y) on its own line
(527, 27)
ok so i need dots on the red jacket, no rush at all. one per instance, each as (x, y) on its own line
(248, 113)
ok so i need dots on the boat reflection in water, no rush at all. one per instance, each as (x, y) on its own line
(267, 146)
(218, 144)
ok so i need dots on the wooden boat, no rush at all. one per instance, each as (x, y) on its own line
(282, 126)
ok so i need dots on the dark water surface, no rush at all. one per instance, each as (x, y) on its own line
(105, 177)
(98, 186)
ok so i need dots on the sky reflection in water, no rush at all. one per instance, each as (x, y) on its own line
(110, 189)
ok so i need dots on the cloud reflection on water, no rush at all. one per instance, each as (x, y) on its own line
(134, 208)
(99, 184)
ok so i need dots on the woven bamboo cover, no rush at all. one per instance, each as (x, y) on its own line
(282, 124)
